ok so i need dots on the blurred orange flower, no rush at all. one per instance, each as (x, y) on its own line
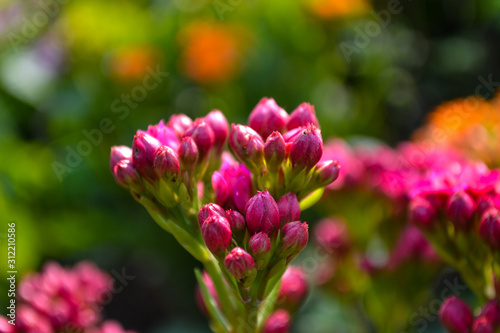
(131, 63)
(211, 52)
(337, 8)
(471, 125)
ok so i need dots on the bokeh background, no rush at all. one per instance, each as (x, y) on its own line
(77, 77)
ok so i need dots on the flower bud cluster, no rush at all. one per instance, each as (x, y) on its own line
(457, 317)
(59, 298)
(283, 151)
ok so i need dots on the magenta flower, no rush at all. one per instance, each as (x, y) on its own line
(217, 234)
(262, 213)
(456, 315)
(119, 153)
(460, 209)
(303, 115)
(247, 145)
(259, 245)
(144, 150)
(237, 223)
(267, 117)
(164, 134)
(203, 136)
(274, 151)
(125, 174)
(179, 123)
(219, 126)
(294, 238)
(289, 209)
(239, 263)
(188, 153)
(238, 180)
(306, 148)
(293, 289)
(209, 210)
(332, 235)
(166, 163)
(278, 322)
(489, 229)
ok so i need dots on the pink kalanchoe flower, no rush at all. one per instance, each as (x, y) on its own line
(109, 326)
(125, 174)
(278, 322)
(274, 151)
(216, 232)
(164, 134)
(237, 223)
(247, 145)
(262, 213)
(326, 172)
(306, 148)
(179, 123)
(220, 127)
(482, 325)
(332, 235)
(239, 183)
(207, 280)
(221, 190)
(259, 245)
(144, 149)
(293, 289)
(289, 209)
(303, 115)
(460, 209)
(203, 136)
(209, 210)
(489, 229)
(456, 315)
(421, 212)
(294, 238)
(188, 153)
(267, 117)
(353, 172)
(166, 163)
(119, 153)
(491, 311)
(5, 327)
(32, 321)
(239, 263)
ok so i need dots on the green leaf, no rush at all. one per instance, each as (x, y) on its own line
(311, 199)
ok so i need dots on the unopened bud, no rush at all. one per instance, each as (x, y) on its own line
(144, 149)
(211, 289)
(306, 148)
(119, 153)
(274, 151)
(262, 213)
(293, 289)
(164, 134)
(267, 117)
(219, 126)
(217, 234)
(455, 315)
(125, 174)
(179, 123)
(491, 311)
(203, 136)
(303, 115)
(489, 229)
(221, 190)
(421, 212)
(326, 173)
(209, 210)
(247, 145)
(188, 153)
(460, 209)
(482, 325)
(237, 223)
(166, 163)
(289, 209)
(278, 322)
(239, 263)
(294, 237)
(259, 244)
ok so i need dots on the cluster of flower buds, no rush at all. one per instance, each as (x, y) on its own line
(457, 317)
(261, 241)
(60, 300)
(458, 209)
(283, 151)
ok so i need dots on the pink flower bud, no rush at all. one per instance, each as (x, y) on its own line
(247, 145)
(326, 173)
(460, 209)
(119, 153)
(125, 174)
(267, 117)
(278, 322)
(259, 244)
(219, 126)
(491, 311)
(203, 136)
(239, 263)
(237, 223)
(164, 134)
(5, 327)
(179, 123)
(293, 289)
(303, 115)
(144, 149)
(332, 235)
(221, 190)
(482, 325)
(262, 213)
(274, 151)
(211, 289)
(421, 212)
(30, 320)
(209, 210)
(217, 234)
(306, 148)
(489, 229)
(289, 209)
(166, 163)
(294, 236)
(188, 153)
(455, 315)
